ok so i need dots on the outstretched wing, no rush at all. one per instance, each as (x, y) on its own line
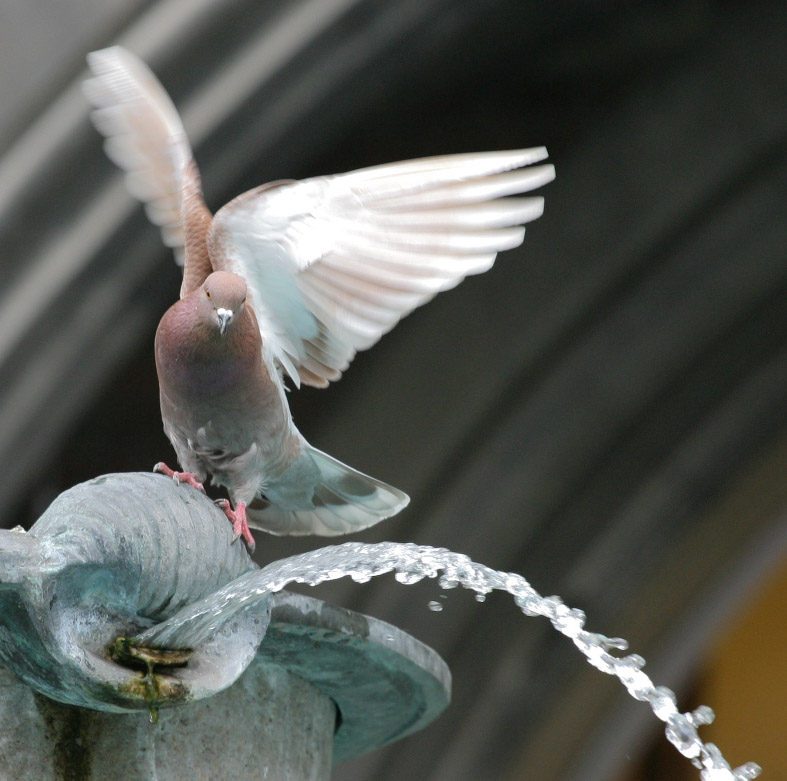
(145, 138)
(335, 262)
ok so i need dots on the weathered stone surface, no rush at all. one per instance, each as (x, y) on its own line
(270, 724)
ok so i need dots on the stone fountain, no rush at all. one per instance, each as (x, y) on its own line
(282, 689)
(149, 644)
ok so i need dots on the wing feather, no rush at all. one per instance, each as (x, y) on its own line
(335, 262)
(144, 135)
(145, 138)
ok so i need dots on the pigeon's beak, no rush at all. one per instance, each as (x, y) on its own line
(223, 316)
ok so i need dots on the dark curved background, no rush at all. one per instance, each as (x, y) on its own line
(603, 412)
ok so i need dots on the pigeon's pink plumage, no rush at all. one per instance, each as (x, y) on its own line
(292, 279)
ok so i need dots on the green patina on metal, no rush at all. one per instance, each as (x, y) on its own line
(385, 684)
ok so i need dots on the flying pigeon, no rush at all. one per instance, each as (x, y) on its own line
(288, 281)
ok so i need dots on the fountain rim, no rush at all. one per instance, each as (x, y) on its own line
(384, 683)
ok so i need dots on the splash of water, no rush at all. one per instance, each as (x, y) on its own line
(412, 563)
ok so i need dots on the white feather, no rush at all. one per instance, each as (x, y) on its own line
(363, 249)
(144, 135)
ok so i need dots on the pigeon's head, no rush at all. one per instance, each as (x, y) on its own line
(224, 297)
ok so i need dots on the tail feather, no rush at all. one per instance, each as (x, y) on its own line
(343, 501)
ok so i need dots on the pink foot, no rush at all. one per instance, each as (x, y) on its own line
(240, 525)
(179, 477)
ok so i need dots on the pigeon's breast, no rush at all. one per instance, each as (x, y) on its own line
(218, 384)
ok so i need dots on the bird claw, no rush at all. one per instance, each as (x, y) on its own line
(240, 526)
(179, 477)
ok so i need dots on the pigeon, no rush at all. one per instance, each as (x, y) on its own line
(286, 282)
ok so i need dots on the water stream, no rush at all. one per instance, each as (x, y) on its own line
(412, 563)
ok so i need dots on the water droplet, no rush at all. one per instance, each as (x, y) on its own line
(434, 606)
(633, 661)
(629, 671)
(529, 604)
(480, 597)
(569, 621)
(618, 643)
(748, 771)
(681, 733)
(408, 578)
(663, 702)
(702, 715)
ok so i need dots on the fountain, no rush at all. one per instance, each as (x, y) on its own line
(109, 559)
(109, 608)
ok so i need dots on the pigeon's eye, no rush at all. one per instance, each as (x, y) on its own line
(207, 293)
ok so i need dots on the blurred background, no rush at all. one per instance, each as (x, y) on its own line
(604, 412)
